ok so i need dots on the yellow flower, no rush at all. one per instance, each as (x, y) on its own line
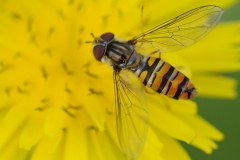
(57, 102)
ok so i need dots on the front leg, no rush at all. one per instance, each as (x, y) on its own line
(156, 51)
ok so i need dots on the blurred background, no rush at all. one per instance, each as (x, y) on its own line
(223, 114)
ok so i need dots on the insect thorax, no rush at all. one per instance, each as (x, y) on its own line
(122, 55)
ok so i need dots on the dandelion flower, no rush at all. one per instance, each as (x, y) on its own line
(57, 102)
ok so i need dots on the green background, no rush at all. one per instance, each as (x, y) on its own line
(223, 114)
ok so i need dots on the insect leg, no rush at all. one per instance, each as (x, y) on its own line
(156, 51)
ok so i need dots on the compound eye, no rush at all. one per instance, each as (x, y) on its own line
(98, 52)
(107, 36)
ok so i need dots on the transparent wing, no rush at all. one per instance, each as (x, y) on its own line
(181, 31)
(131, 112)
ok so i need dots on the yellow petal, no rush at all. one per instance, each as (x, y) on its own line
(110, 149)
(220, 56)
(76, 142)
(52, 147)
(16, 115)
(204, 137)
(11, 150)
(56, 120)
(170, 124)
(215, 86)
(169, 144)
(204, 143)
(111, 128)
(32, 131)
(6, 135)
(153, 146)
(95, 111)
(52, 143)
(198, 123)
(181, 107)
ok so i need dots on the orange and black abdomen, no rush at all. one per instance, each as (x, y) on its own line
(164, 78)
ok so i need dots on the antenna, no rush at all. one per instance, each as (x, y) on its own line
(93, 38)
(92, 35)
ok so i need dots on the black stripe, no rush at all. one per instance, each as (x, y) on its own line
(116, 50)
(189, 92)
(177, 94)
(126, 46)
(169, 73)
(183, 83)
(120, 46)
(150, 70)
(180, 88)
(165, 79)
(169, 86)
(112, 52)
(154, 77)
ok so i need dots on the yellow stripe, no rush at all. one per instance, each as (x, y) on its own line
(159, 76)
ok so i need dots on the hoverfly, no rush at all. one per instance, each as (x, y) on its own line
(175, 34)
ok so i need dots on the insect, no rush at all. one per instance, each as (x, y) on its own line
(131, 108)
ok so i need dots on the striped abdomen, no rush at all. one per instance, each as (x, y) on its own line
(164, 78)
